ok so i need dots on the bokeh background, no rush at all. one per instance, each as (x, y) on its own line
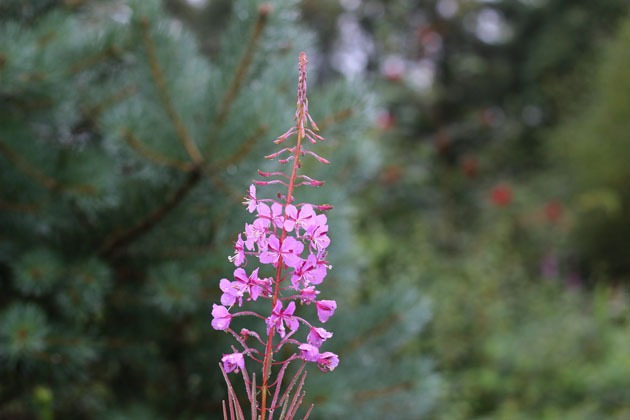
(479, 174)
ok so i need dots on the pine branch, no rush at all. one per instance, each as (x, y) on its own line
(236, 157)
(123, 93)
(181, 166)
(154, 157)
(242, 151)
(118, 240)
(335, 118)
(111, 51)
(89, 121)
(246, 60)
(160, 83)
(185, 251)
(128, 236)
(174, 252)
(218, 182)
(81, 216)
(19, 207)
(383, 392)
(40, 177)
(372, 332)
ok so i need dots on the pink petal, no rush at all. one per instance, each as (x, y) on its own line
(325, 309)
(240, 275)
(309, 353)
(290, 308)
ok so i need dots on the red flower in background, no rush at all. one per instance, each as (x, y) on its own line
(470, 166)
(442, 141)
(391, 174)
(385, 121)
(553, 211)
(501, 195)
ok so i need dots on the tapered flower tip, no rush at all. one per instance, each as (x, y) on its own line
(264, 9)
(325, 207)
(303, 59)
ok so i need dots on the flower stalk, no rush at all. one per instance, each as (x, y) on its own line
(292, 238)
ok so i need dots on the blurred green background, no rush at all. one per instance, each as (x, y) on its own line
(479, 174)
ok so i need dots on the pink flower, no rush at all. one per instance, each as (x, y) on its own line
(308, 294)
(276, 215)
(222, 317)
(233, 362)
(264, 214)
(298, 219)
(321, 261)
(317, 336)
(271, 215)
(318, 232)
(290, 251)
(309, 353)
(252, 284)
(256, 233)
(232, 292)
(279, 317)
(239, 253)
(328, 361)
(309, 272)
(325, 309)
(250, 200)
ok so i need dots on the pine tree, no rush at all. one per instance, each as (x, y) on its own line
(124, 154)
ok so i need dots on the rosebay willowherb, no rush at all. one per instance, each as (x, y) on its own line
(292, 239)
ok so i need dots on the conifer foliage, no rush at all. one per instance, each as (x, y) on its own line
(124, 152)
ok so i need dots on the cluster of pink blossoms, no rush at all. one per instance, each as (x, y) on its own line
(263, 240)
(291, 239)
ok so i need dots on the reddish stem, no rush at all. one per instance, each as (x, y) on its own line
(268, 351)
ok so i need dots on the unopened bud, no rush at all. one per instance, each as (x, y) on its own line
(324, 207)
(244, 333)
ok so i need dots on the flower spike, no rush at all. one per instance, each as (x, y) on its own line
(291, 238)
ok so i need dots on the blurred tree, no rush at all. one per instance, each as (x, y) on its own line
(468, 204)
(124, 152)
(592, 148)
(470, 89)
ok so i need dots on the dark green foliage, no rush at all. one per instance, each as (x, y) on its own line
(378, 355)
(24, 333)
(37, 272)
(509, 344)
(592, 147)
(509, 340)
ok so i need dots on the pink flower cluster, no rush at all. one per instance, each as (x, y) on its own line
(279, 237)
(289, 241)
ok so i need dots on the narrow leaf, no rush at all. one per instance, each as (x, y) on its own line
(308, 413)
